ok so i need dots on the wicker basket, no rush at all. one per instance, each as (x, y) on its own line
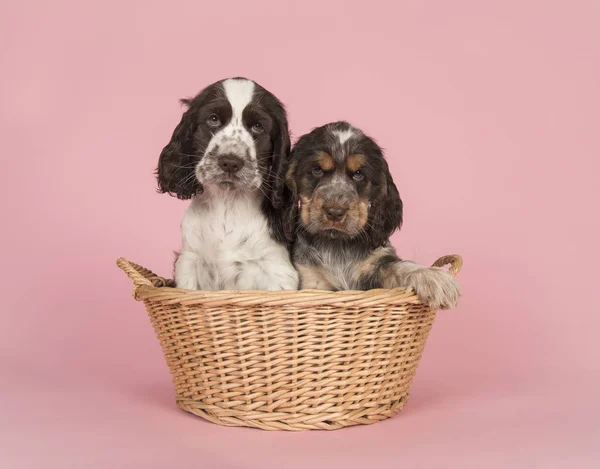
(288, 360)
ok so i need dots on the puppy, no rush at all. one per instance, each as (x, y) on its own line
(343, 206)
(227, 155)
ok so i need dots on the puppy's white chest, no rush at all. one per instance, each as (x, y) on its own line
(223, 232)
(230, 241)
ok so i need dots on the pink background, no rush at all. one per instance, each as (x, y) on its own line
(490, 115)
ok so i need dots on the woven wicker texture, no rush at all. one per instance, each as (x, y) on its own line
(288, 360)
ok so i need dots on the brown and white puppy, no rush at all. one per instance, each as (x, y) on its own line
(227, 155)
(341, 208)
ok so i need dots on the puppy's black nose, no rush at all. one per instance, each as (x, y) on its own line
(335, 212)
(230, 163)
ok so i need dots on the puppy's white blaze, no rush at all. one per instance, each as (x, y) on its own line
(344, 135)
(234, 135)
(239, 94)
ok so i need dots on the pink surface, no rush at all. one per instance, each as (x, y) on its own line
(489, 112)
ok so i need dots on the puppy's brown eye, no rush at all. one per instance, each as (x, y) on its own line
(317, 171)
(214, 120)
(358, 176)
(257, 128)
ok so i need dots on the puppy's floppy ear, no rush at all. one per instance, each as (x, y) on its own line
(385, 211)
(273, 183)
(291, 198)
(279, 161)
(177, 162)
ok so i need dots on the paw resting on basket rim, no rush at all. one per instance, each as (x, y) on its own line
(435, 286)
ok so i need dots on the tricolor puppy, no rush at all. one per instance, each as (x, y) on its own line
(227, 155)
(342, 207)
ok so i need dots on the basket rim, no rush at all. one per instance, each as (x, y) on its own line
(146, 290)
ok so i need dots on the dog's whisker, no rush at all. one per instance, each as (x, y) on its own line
(186, 179)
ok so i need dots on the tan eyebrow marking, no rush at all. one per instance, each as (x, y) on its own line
(325, 160)
(355, 162)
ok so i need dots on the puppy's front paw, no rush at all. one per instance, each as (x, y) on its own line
(187, 283)
(436, 287)
(284, 281)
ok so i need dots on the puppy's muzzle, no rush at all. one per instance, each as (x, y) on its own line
(230, 164)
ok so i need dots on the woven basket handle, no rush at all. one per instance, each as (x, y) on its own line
(133, 273)
(453, 260)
